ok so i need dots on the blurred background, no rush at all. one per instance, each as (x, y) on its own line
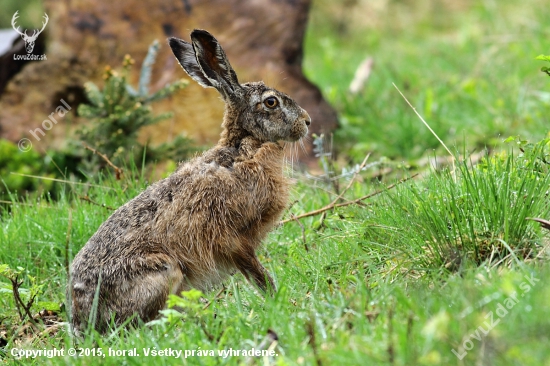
(467, 66)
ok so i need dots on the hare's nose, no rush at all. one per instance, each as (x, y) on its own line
(306, 117)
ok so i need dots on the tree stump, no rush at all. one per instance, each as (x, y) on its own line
(263, 40)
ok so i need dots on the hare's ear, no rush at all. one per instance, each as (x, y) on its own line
(185, 54)
(214, 64)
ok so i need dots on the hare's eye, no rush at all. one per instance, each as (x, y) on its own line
(271, 102)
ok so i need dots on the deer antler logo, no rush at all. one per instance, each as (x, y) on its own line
(29, 40)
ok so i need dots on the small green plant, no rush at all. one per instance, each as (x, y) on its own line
(118, 112)
(476, 215)
(188, 306)
(544, 69)
(15, 166)
(24, 298)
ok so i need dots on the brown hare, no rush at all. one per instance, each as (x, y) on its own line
(205, 221)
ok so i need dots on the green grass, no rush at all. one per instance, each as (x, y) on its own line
(472, 214)
(365, 287)
(468, 68)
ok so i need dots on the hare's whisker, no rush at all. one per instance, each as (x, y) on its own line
(292, 158)
(296, 152)
(301, 141)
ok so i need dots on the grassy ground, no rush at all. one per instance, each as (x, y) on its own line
(441, 269)
(468, 67)
(357, 286)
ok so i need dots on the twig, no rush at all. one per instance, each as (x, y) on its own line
(427, 125)
(379, 174)
(88, 199)
(326, 191)
(543, 250)
(118, 171)
(15, 288)
(352, 179)
(207, 305)
(209, 335)
(292, 204)
(19, 302)
(544, 223)
(441, 161)
(59, 180)
(51, 329)
(332, 205)
(303, 231)
(322, 219)
(16, 203)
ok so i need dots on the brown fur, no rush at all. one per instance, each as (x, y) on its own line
(196, 227)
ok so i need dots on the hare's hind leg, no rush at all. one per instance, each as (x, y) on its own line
(141, 297)
(255, 272)
(147, 294)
